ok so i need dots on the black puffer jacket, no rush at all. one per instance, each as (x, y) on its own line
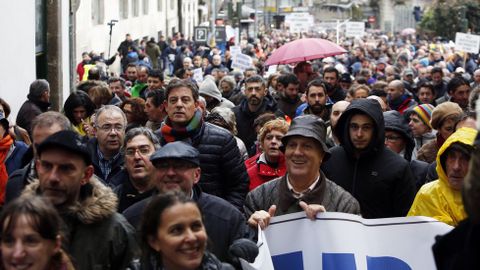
(379, 179)
(29, 110)
(223, 171)
(245, 118)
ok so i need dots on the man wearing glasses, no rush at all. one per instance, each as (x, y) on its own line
(379, 179)
(134, 182)
(105, 148)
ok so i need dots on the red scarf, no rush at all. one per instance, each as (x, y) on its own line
(5, 144)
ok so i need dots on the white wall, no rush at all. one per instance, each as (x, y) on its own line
(65, 47)
(189, 16)
(17, 68)
(95, 37)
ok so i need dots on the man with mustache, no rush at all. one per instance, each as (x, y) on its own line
(378, 178)
(133, 184)
(256, 103)
(110, 124)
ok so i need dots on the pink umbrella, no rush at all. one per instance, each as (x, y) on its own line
(408, 31)
(303, 50)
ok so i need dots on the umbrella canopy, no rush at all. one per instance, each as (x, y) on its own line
(304, 49)
(408, 31)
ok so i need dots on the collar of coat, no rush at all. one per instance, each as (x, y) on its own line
(97, 201)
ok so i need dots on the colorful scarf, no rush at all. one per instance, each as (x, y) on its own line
(5, 144)
(171, 134)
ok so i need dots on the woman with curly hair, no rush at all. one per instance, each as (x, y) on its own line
(78, 108)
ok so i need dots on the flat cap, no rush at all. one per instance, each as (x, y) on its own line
(67, 140)
(177, 150)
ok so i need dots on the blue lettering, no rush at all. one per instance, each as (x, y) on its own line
(288, 261)
(338, 261)
(386, 262)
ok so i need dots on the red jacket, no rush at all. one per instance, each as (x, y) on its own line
(260, 172)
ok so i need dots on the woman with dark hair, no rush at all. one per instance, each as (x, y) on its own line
(134, 111)
(78, 108)
(30, 236)
(102, 95)
(173, 235)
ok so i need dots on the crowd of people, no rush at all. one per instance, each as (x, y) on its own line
(152, 169)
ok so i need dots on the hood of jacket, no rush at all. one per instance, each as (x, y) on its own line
(394, 121)
(371, 108)
(463, 135)
(209, 88)
(97, 201)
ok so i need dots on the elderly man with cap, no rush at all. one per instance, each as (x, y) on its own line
(304, 187)
(97, 236)
(177, 167)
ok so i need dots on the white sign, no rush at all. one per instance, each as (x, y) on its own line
(467, 42)
(299, 22)
(234, 50)
(271, 69)
(348, 242)
(242, 62)
(198, 75)
(355, 29)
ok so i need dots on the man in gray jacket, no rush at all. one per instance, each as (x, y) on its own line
(304, 187)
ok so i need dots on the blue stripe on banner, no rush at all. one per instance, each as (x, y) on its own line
(386, 262)
(339, 261)
(288, 261)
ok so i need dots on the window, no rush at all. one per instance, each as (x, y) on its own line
(123, 5)
(160, 5)
(98, 11)
(135, 8)
(145, 6)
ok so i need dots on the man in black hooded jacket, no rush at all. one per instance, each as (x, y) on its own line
(377, 177)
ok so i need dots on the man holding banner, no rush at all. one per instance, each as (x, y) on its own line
(304, 187)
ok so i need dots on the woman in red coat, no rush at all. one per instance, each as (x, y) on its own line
(270, 163)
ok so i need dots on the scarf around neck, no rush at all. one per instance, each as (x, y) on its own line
(171, 134)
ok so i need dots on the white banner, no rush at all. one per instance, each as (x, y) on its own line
(467, 42)
(242, 62)
(299, 22)
(234, 50)
(338, 241)
(355, 29)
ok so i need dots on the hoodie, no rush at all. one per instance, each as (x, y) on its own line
(377, 177)
(209, 88)
(436, 199)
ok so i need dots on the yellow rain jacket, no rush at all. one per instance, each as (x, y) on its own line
(436, 199)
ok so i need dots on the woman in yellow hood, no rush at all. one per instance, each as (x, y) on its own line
(442, 198)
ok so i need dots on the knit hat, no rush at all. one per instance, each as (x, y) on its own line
(209, 88)
(444, 110)
(424, 112)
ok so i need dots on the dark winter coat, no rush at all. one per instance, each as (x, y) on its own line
(18, 180)
(126, 193)
(459, 249)
(224, 224)
(223, 172)
(394, 121)
(275, 192)
(29, 110)
(289, 106)
(379, 179)
(245, 118)
(96, 236)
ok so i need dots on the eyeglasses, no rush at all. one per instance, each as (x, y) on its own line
(142, 150)
(109, 127)
(392, 138)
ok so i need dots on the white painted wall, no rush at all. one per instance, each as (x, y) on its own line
(189, 16)
(95, 37)
(17, 68)
(65, 47)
